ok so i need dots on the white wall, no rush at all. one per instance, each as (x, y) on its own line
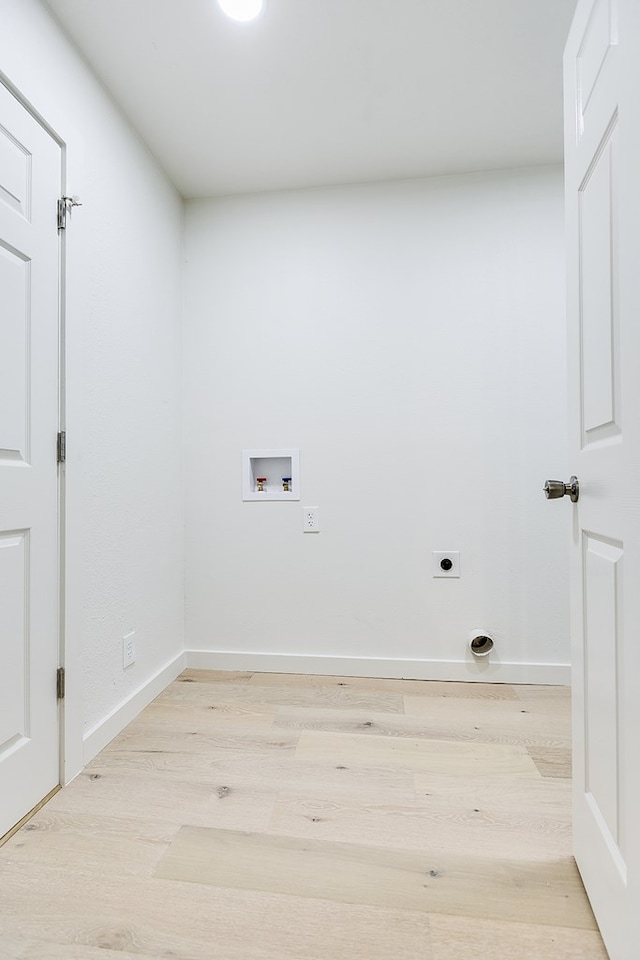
(409, 339)
(124, 472)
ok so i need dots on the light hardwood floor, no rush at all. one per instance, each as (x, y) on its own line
(268, 817)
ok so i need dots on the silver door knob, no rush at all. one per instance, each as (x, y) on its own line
(554, 489)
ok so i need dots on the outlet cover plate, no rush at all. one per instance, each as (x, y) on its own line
(129, 650)
(311, 519)
(439, 556)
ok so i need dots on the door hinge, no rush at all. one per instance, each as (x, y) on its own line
(62, 446)
(60, 683)
(64, 206)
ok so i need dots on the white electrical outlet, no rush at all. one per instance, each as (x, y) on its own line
(129, 650)
(446, 563)
(311, 519)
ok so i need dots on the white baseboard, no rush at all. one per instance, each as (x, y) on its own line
(488, 671)
(103, 732)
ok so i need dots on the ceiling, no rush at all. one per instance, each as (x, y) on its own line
(320, 92)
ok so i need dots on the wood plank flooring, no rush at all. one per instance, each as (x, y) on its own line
(269, 817)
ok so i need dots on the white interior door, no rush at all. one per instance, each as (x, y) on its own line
(602, 90)
(30, 176)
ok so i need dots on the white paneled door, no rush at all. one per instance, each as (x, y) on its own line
(30, 176)
(602, 162)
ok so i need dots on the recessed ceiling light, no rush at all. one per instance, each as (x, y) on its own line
(242, 9)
